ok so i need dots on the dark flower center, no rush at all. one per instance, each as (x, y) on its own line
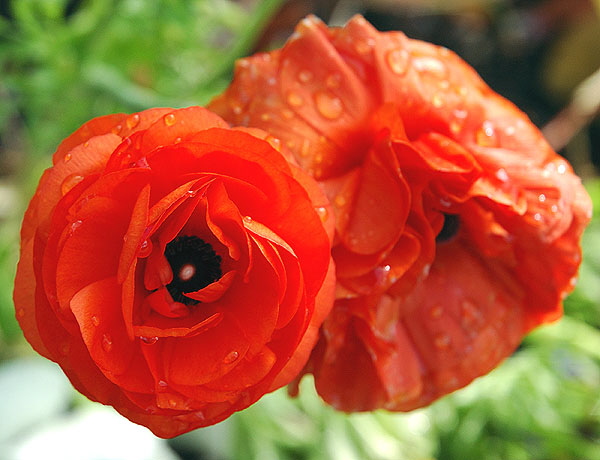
(195, 265)
(449, 229)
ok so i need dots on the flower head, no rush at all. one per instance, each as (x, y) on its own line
(457, 226)
(165, 266)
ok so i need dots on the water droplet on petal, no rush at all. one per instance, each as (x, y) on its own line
(265, 117)
(486, 135)
(305, 76)
(339, 201)
(74, 226)
(455, 127)
(248, 219)
(430, 65)
(510, 130)
(436, 312)
(333, 81)
(561, 168)
(542, 197)
(322, 213)
(294, 99)
(21, 312)
(437, 100)
(162, 384)
(305, 149)
(538, 217)
(442, 341)
(169, 119)
(67, 158)
(133, 121)
(398, 60)
(363, 47)
(145, 249)
(107, 343)
(554, 208)
(117, 129)
(231, 357)
(328, 105)
(150, 341)
(95, 320)
(502, 175)
(70, 182)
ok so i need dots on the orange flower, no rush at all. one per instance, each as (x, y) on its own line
(165, 266)
(457, 226)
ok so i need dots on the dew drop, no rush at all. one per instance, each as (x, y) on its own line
(502, 175)
(397, 60)
(561, 168)
(65, 348)
(95, 320)
(162, 384)
(265, 117)
(442, 341)
(294, 99)
(237, 109)
(437, 100)
(169, 119)
(177, 140)
(145, 249)
(430, 65)
(333, 81)
(70, 182)
(455, 127)
(67, 158)
(537, 217)
(542, 197)
(133, 121)
(172, 402)
(322, 213)
(149, 341)
(231, 357)
(107, 343)
(21, 312)
(328, 105)
(339, 201)
(305, 149)
(554, 208)
(75, 225)
(117, 129)
(470, 315)
(486, 135)
(247, 219)
(436, 312)
(510, 130)
(363, 47)
(461, 114)
(305, 76)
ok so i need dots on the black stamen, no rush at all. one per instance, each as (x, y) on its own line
(449, 229)
(195, 265)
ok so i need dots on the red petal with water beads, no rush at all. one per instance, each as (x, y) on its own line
(128, 198)
(455, 221)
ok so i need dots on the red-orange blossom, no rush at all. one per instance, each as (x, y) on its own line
(457, 226)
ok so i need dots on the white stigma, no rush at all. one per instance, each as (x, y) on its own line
(187, 272)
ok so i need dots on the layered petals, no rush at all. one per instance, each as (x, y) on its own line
(457, 226)
(165, 266)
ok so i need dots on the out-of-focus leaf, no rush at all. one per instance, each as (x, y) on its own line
(33, 390)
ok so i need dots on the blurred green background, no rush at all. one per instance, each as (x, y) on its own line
(63, 62)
